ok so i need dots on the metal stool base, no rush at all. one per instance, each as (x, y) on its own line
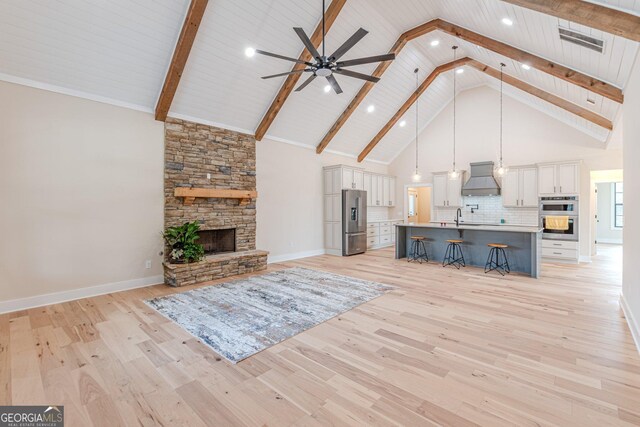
(453, 256)
(418, 252)
(494, 263)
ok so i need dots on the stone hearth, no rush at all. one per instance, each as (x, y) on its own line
(201, 156)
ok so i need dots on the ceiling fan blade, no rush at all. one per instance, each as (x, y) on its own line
(349, 73)
(367, 60)
(284, 74)
(307, 43)
(286, 58)
(306, 82)
(334, 84)
(351, 41)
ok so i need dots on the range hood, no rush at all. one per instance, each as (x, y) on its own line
(481, 182)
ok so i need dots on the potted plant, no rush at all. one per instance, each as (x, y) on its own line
(182, 241)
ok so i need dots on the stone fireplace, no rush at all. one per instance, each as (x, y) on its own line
(204, 158)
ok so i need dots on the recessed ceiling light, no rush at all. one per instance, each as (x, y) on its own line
(435, 43)
(507, 21)
(460, 70)
(249, 52)
(403, 123)
(327, 88)
(370, 108)
(526, 66)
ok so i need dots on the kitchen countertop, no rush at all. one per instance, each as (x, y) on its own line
(480, 227)
(384, 220)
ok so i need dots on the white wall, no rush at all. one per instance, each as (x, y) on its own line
(605, 232)
(290, 202)
(80, 193)
(631, 231)
(530, 136)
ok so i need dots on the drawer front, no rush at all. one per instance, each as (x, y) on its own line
(373, 225)
(385, 230)
(559, 244)
(385, 224)
(385, 239)
(559, 253)
(372, 241)
(371, 232)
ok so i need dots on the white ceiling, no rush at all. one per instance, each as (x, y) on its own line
(118, 51)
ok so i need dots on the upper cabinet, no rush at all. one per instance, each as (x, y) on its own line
(338, 178)
(447, 192)
(520, 188)
(559, 179)
(381, 189)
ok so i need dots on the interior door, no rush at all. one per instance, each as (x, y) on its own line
(412, 197)
(529, 188)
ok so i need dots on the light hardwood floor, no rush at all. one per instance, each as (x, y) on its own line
(446, 347)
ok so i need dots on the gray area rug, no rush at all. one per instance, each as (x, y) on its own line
(242, 317)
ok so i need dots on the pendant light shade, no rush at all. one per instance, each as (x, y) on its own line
(454, 173)
(501, 170)
(417, 177)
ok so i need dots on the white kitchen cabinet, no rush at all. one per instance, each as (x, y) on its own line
(392, 191)
(385, 191)
(447, 192)
(567, 177)
(352, 178)
(381, 233)
(559, 179)
(367, 187)
(333, 236)
(520, 188)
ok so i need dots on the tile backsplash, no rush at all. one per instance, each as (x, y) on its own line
(378, 213)
(490, 211)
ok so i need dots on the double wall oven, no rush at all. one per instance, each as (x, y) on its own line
(559, 206)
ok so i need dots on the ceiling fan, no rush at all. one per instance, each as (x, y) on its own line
(327, 66)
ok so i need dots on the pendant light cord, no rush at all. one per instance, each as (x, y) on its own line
(455, 71)
(502, 65)
(417, 102)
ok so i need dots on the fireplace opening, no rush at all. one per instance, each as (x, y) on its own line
(218, 241)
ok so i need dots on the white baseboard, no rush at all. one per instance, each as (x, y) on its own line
(295, 255)
(610, 241)
(634, 326)
(74, 294)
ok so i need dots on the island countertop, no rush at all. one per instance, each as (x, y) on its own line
(480, 227)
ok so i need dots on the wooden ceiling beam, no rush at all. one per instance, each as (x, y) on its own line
(560, 71)
(289, 84)
(589, 14)
(180, 55)
(409, 102)
(549, 67)
(510, 80)
(546, 96)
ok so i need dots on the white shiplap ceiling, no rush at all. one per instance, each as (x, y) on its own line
(118, 51)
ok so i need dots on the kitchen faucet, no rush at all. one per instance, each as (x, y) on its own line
(458, 216)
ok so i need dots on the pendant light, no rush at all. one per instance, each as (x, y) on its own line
(501, 169)
(454, 173)
(416, 173)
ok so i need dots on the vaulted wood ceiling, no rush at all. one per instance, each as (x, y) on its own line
(120, 51)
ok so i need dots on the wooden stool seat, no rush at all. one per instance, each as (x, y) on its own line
(417, 237)
(498, 245)
(455, 241)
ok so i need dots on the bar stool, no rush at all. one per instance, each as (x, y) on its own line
(453, 255)
(494, 261)
(418, 250)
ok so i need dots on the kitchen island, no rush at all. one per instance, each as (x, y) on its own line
(525, 244)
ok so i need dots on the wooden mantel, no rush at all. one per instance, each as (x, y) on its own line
(190, 194)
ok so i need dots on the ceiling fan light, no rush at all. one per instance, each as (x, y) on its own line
(435, 43)
(327, 89)
(250, 52)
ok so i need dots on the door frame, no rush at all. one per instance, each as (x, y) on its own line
(405, 205)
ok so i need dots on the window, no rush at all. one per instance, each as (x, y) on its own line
(618, 216)
(413, 204)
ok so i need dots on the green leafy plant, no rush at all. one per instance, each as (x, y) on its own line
(182, 241)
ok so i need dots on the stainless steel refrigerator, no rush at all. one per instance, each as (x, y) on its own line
(354, 222)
